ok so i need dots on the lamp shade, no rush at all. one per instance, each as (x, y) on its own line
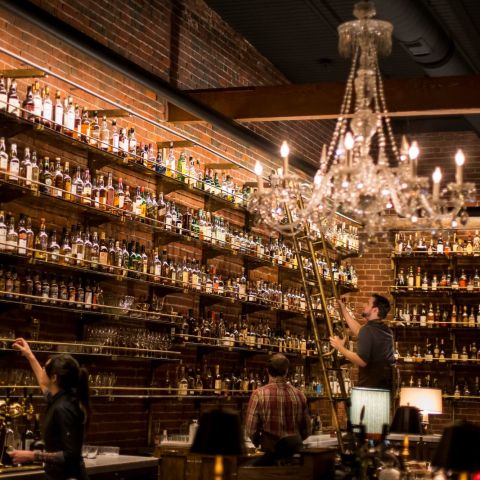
(407, 420)
(219, 433)
(458, 449)
(377, 408)
(427, 400)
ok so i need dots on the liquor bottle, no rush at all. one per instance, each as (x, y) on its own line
(22, 236)
(13, 102)
(85, 127)
(119, 200)
(26, 169)
(182, 384)
(423, 316)
(132, 143)
(425, 282)
(110, 192)
(115, 138)
(37, 102)
(3, 159)
(3, 94)
(410, 279)
(418, 278)
(58, 111)
(159, 163)
(87, 189)
(95, 131)
(103, 253)
(104, 135)
(430, 316)
(14, 164)
(47, 113)
(35, 173)
(217, 389)
(69, 117)
(171, 163)
(27, 105)
(46, 177)
(181, 167)
(102, 193)
(12, 237)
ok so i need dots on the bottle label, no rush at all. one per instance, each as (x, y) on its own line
(47, 111)
(121, 201)
(70, 120)
(3, 101)
(14, 170)
(3, 161)
(22, 246)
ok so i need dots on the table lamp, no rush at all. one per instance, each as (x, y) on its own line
(219, 434)
(377, 408)
(458, 449)
(407, 420)
(427, 400)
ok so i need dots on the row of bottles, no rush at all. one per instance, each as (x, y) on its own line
(406, 244)
(93, 250)
(438, 352)
(342, 236)
(75, 121)
(441, 315)
(52, 289)
(427, 281)
(461, 388)
(253, 334)
(205, 380)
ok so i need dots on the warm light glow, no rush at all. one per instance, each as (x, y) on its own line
(437, 175)
(427, 400)
(413, 151)
(284, 150)
(317, 179)
(349, 141)
(258, 169)
(459, 157)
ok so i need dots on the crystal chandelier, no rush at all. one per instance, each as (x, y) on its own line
(362, 174)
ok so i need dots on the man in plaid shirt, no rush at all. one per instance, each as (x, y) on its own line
(278, 411)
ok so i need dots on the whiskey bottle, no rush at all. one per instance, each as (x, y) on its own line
(3, 94)
(94, 131)
(13, 102)
(3, 159)
(27, 104)
(35, 173)
(115, 137)
(12, 237)
(14, 165)
(69, 118)
(22, 236)
(105, 135)
(26, 169)
(47, 113)
(57, 181)
(66, 182)
(85, 128)
(87, 191)
(58, 111)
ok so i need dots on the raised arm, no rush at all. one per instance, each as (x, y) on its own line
(22, 345)
(352, 323)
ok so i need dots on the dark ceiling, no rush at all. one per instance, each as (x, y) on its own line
(431, 37)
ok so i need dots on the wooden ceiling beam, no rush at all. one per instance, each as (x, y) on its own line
(409, 97)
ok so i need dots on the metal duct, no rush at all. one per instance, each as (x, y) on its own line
(425, 40)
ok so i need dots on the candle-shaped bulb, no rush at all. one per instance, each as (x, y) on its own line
(284, 151)
(349, 141)
(436, 177)
(459, 157)
(258, 169)
(413, 151)
(258, 172)
(459, 160)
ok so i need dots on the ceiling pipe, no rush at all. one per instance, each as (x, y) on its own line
(107, 56)
(425, 41)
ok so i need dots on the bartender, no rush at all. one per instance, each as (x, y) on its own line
(375, 350)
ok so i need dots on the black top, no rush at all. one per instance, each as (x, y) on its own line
(375, 348)
(63, 432)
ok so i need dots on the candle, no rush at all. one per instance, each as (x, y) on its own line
(284, 151)
(413, 153)
(436, 177)
(349, 143)
(459, 160)
(258, 173)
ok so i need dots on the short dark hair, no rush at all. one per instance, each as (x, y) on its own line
(278, 365)
(382, 304)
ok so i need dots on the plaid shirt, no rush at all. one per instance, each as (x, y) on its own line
(278, 409)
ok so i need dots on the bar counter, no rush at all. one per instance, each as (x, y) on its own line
(104, 467)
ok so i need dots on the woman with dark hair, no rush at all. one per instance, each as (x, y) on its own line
(65, 385)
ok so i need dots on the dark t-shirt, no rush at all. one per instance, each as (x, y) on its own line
(375, 348)
(63, 431)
